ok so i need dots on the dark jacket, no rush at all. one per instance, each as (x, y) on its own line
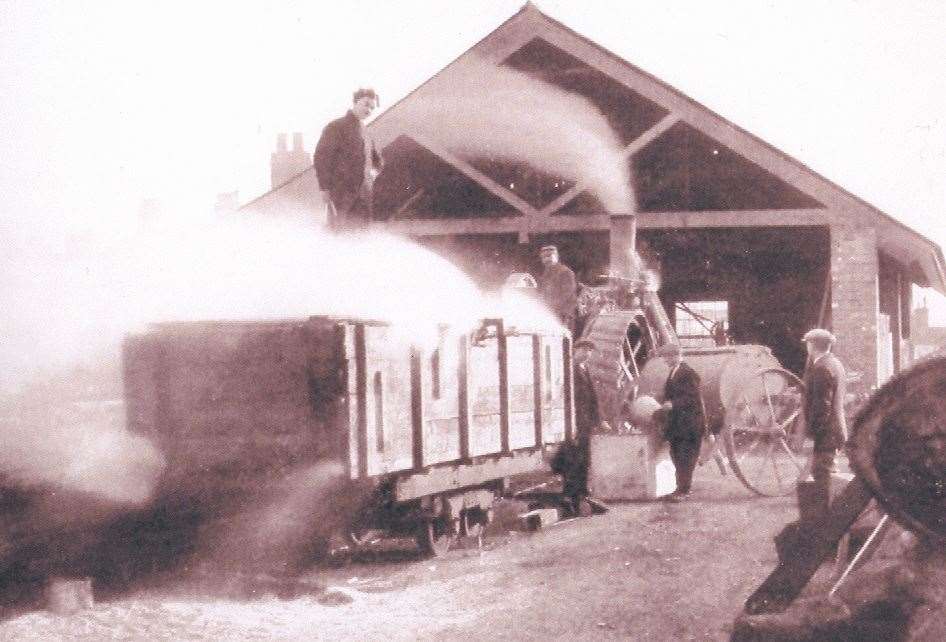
(824, 402)
(559, 290)
(573, 457)
(339, 159)
(587, 413)
(685, 420)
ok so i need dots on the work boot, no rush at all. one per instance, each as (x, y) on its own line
(676, 496)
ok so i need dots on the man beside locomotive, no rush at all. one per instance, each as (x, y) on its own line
(558, 287)
(573, 459)
(824, 412)
(347, 162)
(684, 418)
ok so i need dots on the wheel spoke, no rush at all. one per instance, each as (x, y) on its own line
(765, 460)
(791, 455)
(750, 408)
(789, 420)
(745, 450)
(760, 423)
(778, 477)
(768, 399)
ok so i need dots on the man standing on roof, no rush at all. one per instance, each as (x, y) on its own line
(825, 423)
(347, 162)
(558, 287)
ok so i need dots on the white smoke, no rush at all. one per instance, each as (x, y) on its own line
(480, 109)
(69, 296)
(82, 450)
(75, 296)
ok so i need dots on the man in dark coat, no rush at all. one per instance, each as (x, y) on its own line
(574, 457)
(824, 411)
(684, 417)
(347, 163)
(558, 287)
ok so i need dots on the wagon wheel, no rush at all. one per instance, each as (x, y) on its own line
(760, 419)
(435, 537)
(472, 527)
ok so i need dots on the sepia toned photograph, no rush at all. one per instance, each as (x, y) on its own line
(607, 320)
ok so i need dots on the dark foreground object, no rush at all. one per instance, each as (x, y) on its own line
(802, 548)
(898, 451)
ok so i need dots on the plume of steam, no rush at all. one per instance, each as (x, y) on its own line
(283, 529)
(68, 450)
(485, 110)
(78, 295)
(69, 297)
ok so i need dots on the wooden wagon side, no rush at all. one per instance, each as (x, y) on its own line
(409, 438)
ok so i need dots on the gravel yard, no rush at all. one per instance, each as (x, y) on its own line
(643, 571)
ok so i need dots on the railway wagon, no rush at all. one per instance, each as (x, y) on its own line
(409, 439)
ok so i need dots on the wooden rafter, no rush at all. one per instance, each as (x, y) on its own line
(733, 218)
(635, 145)
(516, 224)
(519, 224)
(535, 220)
(476, 175)
(409, 203)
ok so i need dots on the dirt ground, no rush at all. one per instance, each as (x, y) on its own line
(643, 571)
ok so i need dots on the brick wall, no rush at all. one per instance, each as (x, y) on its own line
(854, 301)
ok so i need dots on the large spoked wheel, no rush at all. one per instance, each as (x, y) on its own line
(762, 416)
(435, 537)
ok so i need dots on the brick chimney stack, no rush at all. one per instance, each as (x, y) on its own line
(285, 164)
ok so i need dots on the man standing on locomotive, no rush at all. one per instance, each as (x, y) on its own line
(684, 418)
(824, 411)
(347, 162)
(558, 287)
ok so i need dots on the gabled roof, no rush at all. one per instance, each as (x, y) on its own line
(932, 269)
(893, 234)
(922, 256)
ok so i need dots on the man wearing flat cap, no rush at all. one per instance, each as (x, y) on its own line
(685, 418)
(574, 456)
(824, 410)
(558, 287)
(347, 162)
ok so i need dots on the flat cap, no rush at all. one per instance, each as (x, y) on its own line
(818, 334)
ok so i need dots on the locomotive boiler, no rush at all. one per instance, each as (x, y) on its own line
(751, 402)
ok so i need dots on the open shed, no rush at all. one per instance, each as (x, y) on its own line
(738, 229)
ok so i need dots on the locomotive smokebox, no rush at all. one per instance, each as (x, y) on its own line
(623, 248)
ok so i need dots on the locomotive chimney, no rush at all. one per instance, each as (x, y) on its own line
(623, 248)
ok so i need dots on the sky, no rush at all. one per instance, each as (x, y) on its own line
(104, 104)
